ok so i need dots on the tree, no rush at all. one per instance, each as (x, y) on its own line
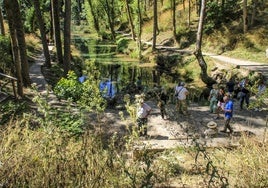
(15, 45)
(139, 27)
(173, 6)
(245, 15)
(55, 9)
(67, 37)
(254, 12)
(2, 23)
(189, 13)
(198, 52)
(42, 32)
(130, 20)
(94, 16)
(20, 36)
(155, 26)
(109, 10)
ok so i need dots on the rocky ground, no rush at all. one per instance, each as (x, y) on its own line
(180, 130)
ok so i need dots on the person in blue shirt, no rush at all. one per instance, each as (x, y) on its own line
(228, 113)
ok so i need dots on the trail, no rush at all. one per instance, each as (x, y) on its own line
(250, 65)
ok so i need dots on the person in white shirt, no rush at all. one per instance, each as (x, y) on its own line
(143, 111)
(181, 92)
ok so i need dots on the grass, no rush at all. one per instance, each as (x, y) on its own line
(48, 157)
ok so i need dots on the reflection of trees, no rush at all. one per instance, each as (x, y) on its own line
(125, 74)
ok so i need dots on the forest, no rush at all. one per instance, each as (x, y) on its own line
(72, 140)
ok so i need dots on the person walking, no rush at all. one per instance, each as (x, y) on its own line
(143, 111)
(181, 92)
(213, 95)
(244, 96)
(228, 113)
(221, 103)
(162, 101)
(230, 85)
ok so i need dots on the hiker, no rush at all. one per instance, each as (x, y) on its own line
(162, 101)
(213, 95)
(230, 85)
(244, 93)
(220, 103)
(143, 111)
(181, 92)
(228, 113)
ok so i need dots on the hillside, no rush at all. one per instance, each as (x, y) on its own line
(228, 39)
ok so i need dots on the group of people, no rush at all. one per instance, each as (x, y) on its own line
(144, 110)
(220, 101)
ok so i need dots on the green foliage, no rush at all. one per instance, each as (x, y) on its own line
(216, 14)
(66, 118)
(69, 88)
(6, 63)
(91, 98)
(122, 44)
(29, 20)
(10, 110)
(213, 16)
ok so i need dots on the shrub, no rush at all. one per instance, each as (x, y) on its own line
(69, 88)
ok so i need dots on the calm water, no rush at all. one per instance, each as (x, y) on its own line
(120, 71)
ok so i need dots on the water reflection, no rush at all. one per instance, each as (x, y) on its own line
(121, 72)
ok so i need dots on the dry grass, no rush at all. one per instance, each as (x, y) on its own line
(48, 157)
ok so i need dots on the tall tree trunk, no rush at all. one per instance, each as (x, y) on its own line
(21, 41)
(222, 6)
(130, 20)
(245, 15)
(56, 29)
(155, 25)
(254, 11)
(15, 46)
(67, 36)
(173, 5)
(110, 14)
(198, 52)
(95, 17)
(42, 32)
(2, 23)
(189, 13)
(139, 29)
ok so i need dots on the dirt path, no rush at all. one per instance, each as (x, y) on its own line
(251, 65)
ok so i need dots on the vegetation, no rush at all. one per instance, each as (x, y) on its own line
(51, 150)
(69, 145)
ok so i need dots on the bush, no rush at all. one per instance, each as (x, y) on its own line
(69, 88)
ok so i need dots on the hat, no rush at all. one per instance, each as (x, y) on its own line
(212, 125)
